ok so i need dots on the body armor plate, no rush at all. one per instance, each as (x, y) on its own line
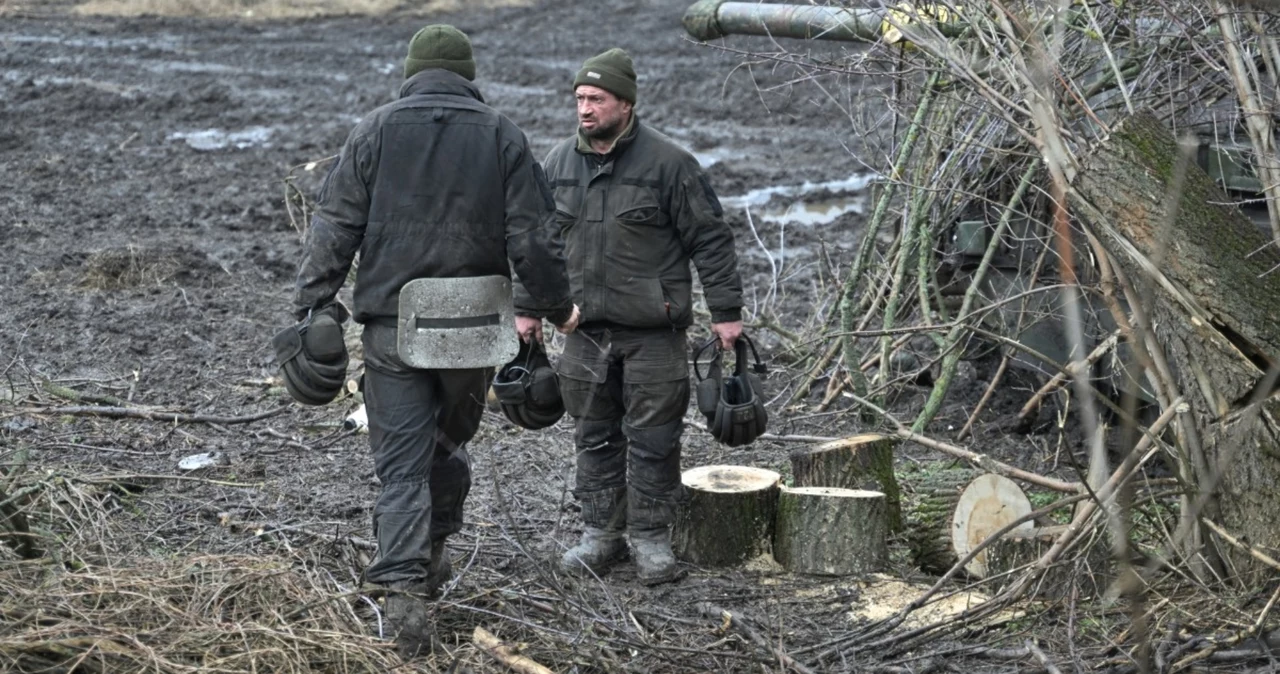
(456, 323)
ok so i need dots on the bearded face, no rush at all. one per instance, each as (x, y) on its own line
(601, 115)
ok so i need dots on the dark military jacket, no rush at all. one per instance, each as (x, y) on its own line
(632, 220)
(433, 185)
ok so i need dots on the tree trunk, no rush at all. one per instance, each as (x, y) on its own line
(831, 532)
(1216, 308)
(728, 517)
(858, 462)
(929, 504)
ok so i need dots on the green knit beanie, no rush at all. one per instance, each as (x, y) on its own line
(611, 71)
(440, 46)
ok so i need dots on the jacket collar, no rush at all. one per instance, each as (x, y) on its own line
(440, 81)
(620, 145)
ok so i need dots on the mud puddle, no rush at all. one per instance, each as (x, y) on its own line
(806, 204)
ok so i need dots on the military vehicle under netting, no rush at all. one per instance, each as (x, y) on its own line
(967, 232)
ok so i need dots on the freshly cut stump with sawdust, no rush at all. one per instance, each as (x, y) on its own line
(989, 503)
(858, 462)
(830, 531)
(728, 516)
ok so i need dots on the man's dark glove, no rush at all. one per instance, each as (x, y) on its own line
(312, 355)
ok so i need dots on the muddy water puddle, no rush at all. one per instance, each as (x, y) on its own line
(219, 139)
(796, 204)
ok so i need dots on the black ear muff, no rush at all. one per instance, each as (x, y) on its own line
(740, 416)
(707, 388)
(312, 356)
(528, 389)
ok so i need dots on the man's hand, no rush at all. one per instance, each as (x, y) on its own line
(529, 328)
(571, 324)
(728, 333)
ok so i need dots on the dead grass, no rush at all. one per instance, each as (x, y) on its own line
(277, 9)
(130, 267)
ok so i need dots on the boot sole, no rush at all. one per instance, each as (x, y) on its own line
(583, 570)
(672, 577)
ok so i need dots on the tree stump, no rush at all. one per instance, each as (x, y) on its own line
(858, 462)
(830, 531)
(986, 505)
(728, 516)
(928, 505)
(1090, 571)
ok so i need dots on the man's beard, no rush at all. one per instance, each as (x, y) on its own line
(604, 132)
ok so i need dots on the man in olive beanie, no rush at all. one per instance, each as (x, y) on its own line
(399, 196)
(635, 209)
(441, 46)
(611, 71)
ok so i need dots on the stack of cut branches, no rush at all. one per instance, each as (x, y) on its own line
(1065, 192)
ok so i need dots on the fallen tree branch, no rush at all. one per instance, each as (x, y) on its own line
(152, 415)
(1242, 545)
(980, 460)
(737, 623)
(986, 397)
(1061, 378)
(503, 653)
(73, 395)
(1042, 658)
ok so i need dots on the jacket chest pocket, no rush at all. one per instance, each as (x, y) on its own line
(567, 207)
(637, 206)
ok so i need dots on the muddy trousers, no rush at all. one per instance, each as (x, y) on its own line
(627, 391)
(419, 423)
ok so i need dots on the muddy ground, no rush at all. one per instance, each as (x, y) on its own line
(148, 256)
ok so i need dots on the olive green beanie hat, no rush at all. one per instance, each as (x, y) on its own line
(611, 71)
(440, 46)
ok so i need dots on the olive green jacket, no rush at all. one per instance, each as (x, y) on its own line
(631, 221)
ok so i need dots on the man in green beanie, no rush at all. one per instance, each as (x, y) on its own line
(634, 209)
(433, 185)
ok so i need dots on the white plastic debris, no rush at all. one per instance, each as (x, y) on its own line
(357, 421)
(197, 461)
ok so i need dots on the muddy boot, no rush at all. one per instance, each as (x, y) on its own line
(598, 550)
(409, 620)
(604, 517)
(440, 570)
(655, 563)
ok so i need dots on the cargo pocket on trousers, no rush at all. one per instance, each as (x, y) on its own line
(580, 378)
(656, 391)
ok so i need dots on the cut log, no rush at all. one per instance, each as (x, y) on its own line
(858, 462)
(929, 502)
(728, 516)
(831, 532)
(989, 503)
(1090, 573)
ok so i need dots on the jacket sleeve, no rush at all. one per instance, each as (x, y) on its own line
(709, 242)
(337, 227)
(541, 283)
